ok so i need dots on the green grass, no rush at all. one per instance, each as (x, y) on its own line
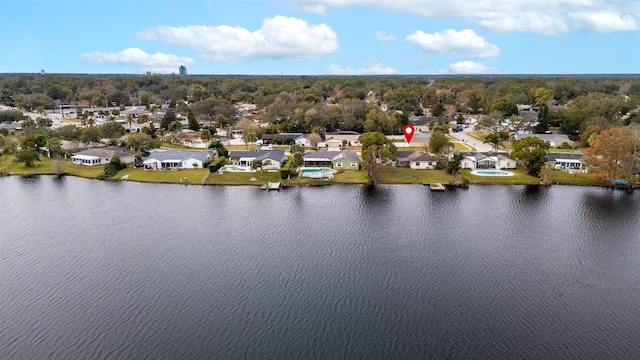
(82, 170)
(341, 177)
(565, 178)
(400, 175)
(560, 150)
(520, 178)
(242, 178)
(194, 176)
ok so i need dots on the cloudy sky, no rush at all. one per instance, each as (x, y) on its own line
(318, 37)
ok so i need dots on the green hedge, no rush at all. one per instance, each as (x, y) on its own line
(215, 166)
(285, 172)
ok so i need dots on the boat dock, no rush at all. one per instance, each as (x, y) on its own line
(271, 186)
(437, 187)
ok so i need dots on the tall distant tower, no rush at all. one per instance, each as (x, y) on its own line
(182, 70)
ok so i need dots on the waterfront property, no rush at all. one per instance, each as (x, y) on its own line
(567, 161)
(554, 140)
(414, 159)
(339, 160)
(101, 156)
(490, 172)
(175, 160)
(487, 160)
(271, 159)
(316, 173)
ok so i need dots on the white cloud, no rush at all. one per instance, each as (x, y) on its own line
(372, 67)
(470, 67)
(382, 36)
(143, 61)
(604, 21)
(310, 6)
(548, 17)
(464, 43)
(278, 37)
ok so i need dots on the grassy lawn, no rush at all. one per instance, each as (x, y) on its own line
(565, 178)
(194, 176)
(242, 178)
(82, 170)
(559, 150)
(520, 177)
(400, 175)
(341, 177)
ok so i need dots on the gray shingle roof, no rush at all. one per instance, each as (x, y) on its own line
(277, 155)
(179, 155)
(567, 156)
(332, 155)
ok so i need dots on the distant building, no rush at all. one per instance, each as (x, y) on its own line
(148, 73)
(182, 70)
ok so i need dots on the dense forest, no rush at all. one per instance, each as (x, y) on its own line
(308, 103)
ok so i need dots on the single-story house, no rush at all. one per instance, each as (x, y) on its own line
(567, 161)
(414, 159)
(268, 139)
(488, 160)
(339, 160)
(554, 140)
(175, 159)
(332, 144)
(345, 138)
(101, 156)
(271, 159)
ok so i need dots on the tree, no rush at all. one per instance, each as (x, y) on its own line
(296, 148)
(90, 135)
(439, 142)
(193, 123)
(54, 145)
(298, 159)
(494, 138)
(167, 119)
(611, 154)
(256, 163)
(27, 156)
(112, 130)
(314, 139)
(248, 128)
(375, 148)
(453, 165)
(378, 121)
(532, 152)
(205, 135)
(142, 142)
(219, 147)
(589, 135)
(174, 126)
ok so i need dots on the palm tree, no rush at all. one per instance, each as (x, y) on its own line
(494, 139)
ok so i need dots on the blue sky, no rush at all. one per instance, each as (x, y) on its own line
(319, 37)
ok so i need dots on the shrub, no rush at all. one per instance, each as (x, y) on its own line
(286, 172)
(215, 166)
(112, 168)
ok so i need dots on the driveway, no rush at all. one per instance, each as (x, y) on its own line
(464, 137)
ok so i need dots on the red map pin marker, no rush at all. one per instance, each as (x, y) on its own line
(408, 131)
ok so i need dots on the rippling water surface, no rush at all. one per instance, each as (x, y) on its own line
(113, 270)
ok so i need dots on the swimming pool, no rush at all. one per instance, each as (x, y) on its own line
(317, 173)
(232, 168)
(491, 173)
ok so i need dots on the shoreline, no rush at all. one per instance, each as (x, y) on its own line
(312, 183)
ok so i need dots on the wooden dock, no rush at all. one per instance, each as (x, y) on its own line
(437, 187)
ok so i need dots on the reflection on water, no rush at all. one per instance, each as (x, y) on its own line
(92, 269)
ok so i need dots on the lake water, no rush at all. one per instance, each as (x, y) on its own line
(120, 270)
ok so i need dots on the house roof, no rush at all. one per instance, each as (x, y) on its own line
(489, 156)
(282, 135)
(564, 156)
(414, 156)
(104, 152)
(546, 137)
(179, 155)
(331, 155)
(260, 154)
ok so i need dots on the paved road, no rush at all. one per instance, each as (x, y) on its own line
(466, 138)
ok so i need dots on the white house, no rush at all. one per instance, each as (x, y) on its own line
(554, 140)
(271, 159)
(101, 156)
(476, 160)
(414, 159)
(174, 160)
